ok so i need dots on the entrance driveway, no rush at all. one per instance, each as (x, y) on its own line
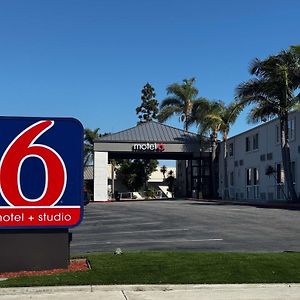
(185, 225)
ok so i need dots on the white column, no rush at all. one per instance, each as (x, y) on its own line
(100, 176)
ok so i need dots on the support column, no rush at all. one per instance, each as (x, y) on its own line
(100, 176)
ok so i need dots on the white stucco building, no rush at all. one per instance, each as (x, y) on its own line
(251, 153)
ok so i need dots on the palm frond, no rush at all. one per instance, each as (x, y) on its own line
(182, 98)
(168, 112)
(296, 49)
(255, 66)
(295, 103)
(200, 107)
(262, 113)
(177, 90)
(296, 107)
(233, 110)
(90, 135)
(171, 101)
(273, 87)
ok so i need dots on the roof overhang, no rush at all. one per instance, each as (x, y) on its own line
(152, 139)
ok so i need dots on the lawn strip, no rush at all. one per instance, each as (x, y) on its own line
(175, 268)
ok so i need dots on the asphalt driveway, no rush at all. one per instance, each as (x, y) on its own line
(185, 225)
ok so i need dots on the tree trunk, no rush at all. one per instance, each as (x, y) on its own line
(226, 192)
(185, 126)
(286, 157)
(112, 179)
(187, 192)
(214, 176)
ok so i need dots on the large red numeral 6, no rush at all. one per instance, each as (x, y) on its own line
(21, 148)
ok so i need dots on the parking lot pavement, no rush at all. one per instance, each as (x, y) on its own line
(185, 225)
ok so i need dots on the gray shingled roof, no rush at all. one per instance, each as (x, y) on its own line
(151, 132)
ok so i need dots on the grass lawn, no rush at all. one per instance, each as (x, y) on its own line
(175, 268)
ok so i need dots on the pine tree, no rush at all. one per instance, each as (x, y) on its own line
(148, 109)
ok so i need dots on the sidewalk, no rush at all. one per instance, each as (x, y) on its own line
(158, 292)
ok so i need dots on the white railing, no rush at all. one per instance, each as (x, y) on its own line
(136, 195)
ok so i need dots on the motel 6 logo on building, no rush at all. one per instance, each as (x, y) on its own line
(41, 172)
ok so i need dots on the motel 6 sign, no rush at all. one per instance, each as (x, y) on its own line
(41, 172)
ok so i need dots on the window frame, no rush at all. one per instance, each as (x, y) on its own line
(231, 178)
(255, 142)
(231, 149)
(248, 177)
(292, 129)
(248, 144)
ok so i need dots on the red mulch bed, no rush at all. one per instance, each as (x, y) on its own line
(75, 265)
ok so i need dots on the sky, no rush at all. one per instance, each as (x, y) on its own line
(90, 59)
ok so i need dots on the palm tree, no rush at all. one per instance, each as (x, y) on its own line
(272, 91)
(89, 137)
(205, 125)
(216, 117)
(163, 170)
(171, 182)
(180, 102)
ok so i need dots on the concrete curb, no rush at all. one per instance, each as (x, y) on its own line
(137, 288)
(295, 206)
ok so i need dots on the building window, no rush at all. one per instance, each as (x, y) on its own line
(248, 176)
(231, 149)
(291, 128)
(279, 181)
(255, 141)
(256, 184)
(293, 168)
(231, 178)
(248, 145)
(279, 192)
(195, 170)
(255, 176)
(252, 183)
(263, 157)
(277, 134)
(278, 174)
(291, 131)
(269, 156)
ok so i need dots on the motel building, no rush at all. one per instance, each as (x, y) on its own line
(249, 155)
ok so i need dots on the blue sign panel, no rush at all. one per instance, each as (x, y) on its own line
(41, 172)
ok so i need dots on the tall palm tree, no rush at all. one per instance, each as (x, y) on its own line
(89, 138)
(216, 117)
(272, 92)
(205, 125)
(180, 102)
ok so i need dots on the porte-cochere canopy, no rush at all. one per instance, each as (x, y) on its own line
(153, 140)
